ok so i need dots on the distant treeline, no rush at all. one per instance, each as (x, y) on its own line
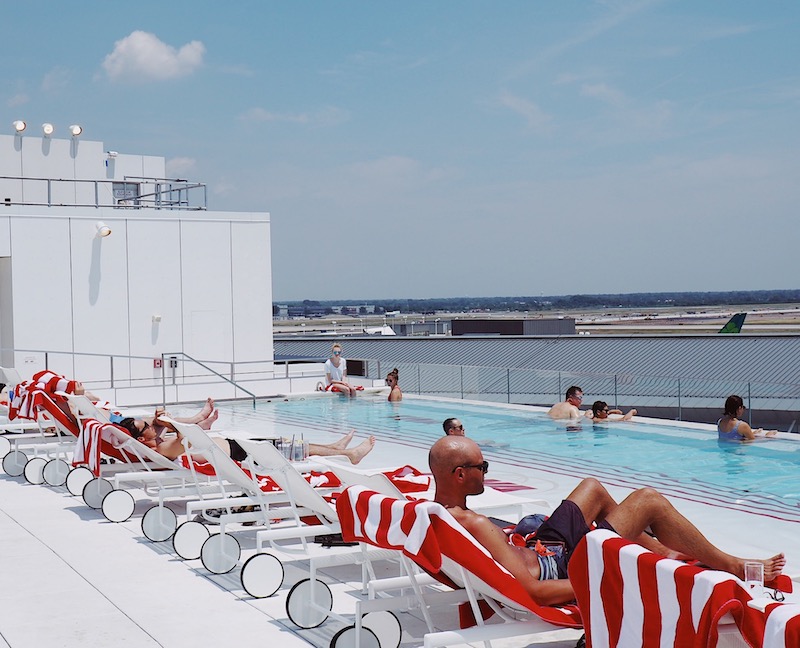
(550, 303)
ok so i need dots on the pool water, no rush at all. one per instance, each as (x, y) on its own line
(684, 462)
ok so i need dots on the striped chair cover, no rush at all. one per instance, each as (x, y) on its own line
(782, 626)
(630, 596)
(427, 533)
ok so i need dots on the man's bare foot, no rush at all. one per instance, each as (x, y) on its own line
(773, 567)
(360, 451)
(342, 443)
(209, 421)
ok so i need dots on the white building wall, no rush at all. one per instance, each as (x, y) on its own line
(164, 281)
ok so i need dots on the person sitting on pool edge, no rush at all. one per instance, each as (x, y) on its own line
(569, 408)
(730, 428)
(600, 413)
(458, 469)
(172, 447)
(395, 395)
(336, 372)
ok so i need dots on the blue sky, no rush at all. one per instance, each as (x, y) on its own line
(434, 149)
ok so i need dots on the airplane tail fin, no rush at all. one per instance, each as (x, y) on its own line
(735, 324)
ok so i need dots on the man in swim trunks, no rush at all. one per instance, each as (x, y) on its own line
(458, 467)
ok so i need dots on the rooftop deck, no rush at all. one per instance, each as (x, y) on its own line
(72, 577)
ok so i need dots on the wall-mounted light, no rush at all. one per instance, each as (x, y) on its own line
(156, 319)
(19, 126)
(112, 154)
(48, 129)
(75, 130)
(103, 230)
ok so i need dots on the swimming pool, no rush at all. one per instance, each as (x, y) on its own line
(681, 461)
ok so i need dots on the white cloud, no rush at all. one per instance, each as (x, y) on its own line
(537, 120)
(180, 166)
(56, 79)
(18, 99)
(604, 93)
(141, 56)
(327, 116)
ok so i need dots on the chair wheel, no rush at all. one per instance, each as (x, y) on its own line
(346, 638)
(386, 627)
(77, 479)
(95, 490)
(55, 472)
(262, 575)
(118, 506)
(306, 608)
(14, 463)
(220, 553)
(189, 538)
(33, 470)
(159, 523)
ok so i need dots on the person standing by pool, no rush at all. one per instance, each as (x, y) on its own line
(459, 469)
(395, 395)
(336, 372)
(569, 408)
(730, 428)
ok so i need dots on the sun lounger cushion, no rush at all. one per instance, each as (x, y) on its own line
(426, 532)
(630, 596)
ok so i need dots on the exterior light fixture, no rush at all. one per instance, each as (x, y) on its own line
(19, 126)
(103, 230)
(48, 129)
(75, 130)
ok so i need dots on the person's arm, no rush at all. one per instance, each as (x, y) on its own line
(549, 592)
(343, 365)
(745, 431)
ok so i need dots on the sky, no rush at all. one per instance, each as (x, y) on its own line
(455, 148)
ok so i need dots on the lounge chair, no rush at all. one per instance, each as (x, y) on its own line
(630, 596)
(427, 534)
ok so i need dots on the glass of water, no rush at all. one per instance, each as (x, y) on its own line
(754, 578)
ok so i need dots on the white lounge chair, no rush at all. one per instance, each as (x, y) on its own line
(428, 535)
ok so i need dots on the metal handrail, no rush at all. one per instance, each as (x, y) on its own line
(173, 357)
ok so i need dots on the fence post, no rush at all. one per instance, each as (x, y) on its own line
(419, 379)
(558, 393)
(679, 400)
(749, 408)
(616, 404)
(508, 384)
(46, 361)
(111, 369)
(462, 381)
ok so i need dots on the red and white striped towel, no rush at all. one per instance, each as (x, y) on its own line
(32, 401)
(87, 447)
(783, 626)
(630, 596)
(426, 532)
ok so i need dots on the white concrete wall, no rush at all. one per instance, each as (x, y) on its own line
(164, 281)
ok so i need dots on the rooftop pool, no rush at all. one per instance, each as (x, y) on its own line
(681, 461)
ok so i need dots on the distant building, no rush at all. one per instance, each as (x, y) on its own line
(560, 326)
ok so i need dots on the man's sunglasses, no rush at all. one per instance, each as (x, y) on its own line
(483, 466)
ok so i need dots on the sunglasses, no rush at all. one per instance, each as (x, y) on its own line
(337, 353)
(457, 427)
(483, 466)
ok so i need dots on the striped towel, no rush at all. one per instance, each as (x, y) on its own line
(87, 447)
(632, 597)
(783, 626)
(426, 532)
(30, 402)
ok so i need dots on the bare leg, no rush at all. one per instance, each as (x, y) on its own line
(647, 507)
(202, 415)
(353, 454)
(209, 421)
(342, 443)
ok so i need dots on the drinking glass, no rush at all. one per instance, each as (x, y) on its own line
(754, 578)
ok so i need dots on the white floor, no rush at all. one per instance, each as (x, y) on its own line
(71, 578)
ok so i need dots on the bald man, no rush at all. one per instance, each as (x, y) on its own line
(458, 467)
